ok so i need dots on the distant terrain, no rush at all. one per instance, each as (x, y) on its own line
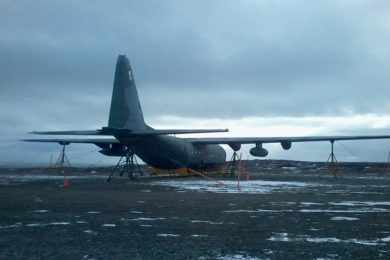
(254, 167)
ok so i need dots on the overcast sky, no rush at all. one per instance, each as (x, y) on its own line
(260, 68)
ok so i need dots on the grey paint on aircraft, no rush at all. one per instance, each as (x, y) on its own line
(125, 110)
(162, 151)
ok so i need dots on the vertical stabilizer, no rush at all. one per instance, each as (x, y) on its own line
(125, 110)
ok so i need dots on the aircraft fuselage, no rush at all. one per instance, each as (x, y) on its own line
(169, 152)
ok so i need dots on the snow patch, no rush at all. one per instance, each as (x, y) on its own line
(360, 203)
(237, 257)
(311, 204)
(207, 221)
(255, 210)
(344, 218)
(198, 235)
(168, 235)
(136, 212)
(146, 219)
(248, 187)
(359, 210)
(18, 224)
(41, 211)
(36, 225)
(386, 239)
(91, 232)
(322, 240)
(279, 237)
(283, 237)
(37, 177)
(93, 212)
(59, 223)
(109, 225)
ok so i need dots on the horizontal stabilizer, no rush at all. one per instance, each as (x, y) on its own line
(71, 140)
(72, 132)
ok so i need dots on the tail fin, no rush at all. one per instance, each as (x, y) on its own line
(125, 110)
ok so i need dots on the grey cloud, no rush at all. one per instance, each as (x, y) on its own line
(219, 59)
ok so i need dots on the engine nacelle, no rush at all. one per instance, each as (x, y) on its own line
(258, 151)
(286, 145)
(235, 146)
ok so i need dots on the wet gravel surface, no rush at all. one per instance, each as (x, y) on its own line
(273, 217)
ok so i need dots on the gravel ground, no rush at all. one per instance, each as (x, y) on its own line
(269, 217)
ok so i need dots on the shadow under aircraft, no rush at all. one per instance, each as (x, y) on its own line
(130, 135)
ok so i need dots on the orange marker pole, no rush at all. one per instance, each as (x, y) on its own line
(238, 182)
(238, 175)
(66, 183)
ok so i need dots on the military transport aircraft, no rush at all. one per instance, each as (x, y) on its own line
(159, 148)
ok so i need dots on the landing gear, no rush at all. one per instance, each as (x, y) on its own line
(127, 164)
(233, 164)
(332, 161)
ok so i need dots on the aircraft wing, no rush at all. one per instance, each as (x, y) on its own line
(71, 132)
(127, 132)
(75, 140)
(254, 140)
